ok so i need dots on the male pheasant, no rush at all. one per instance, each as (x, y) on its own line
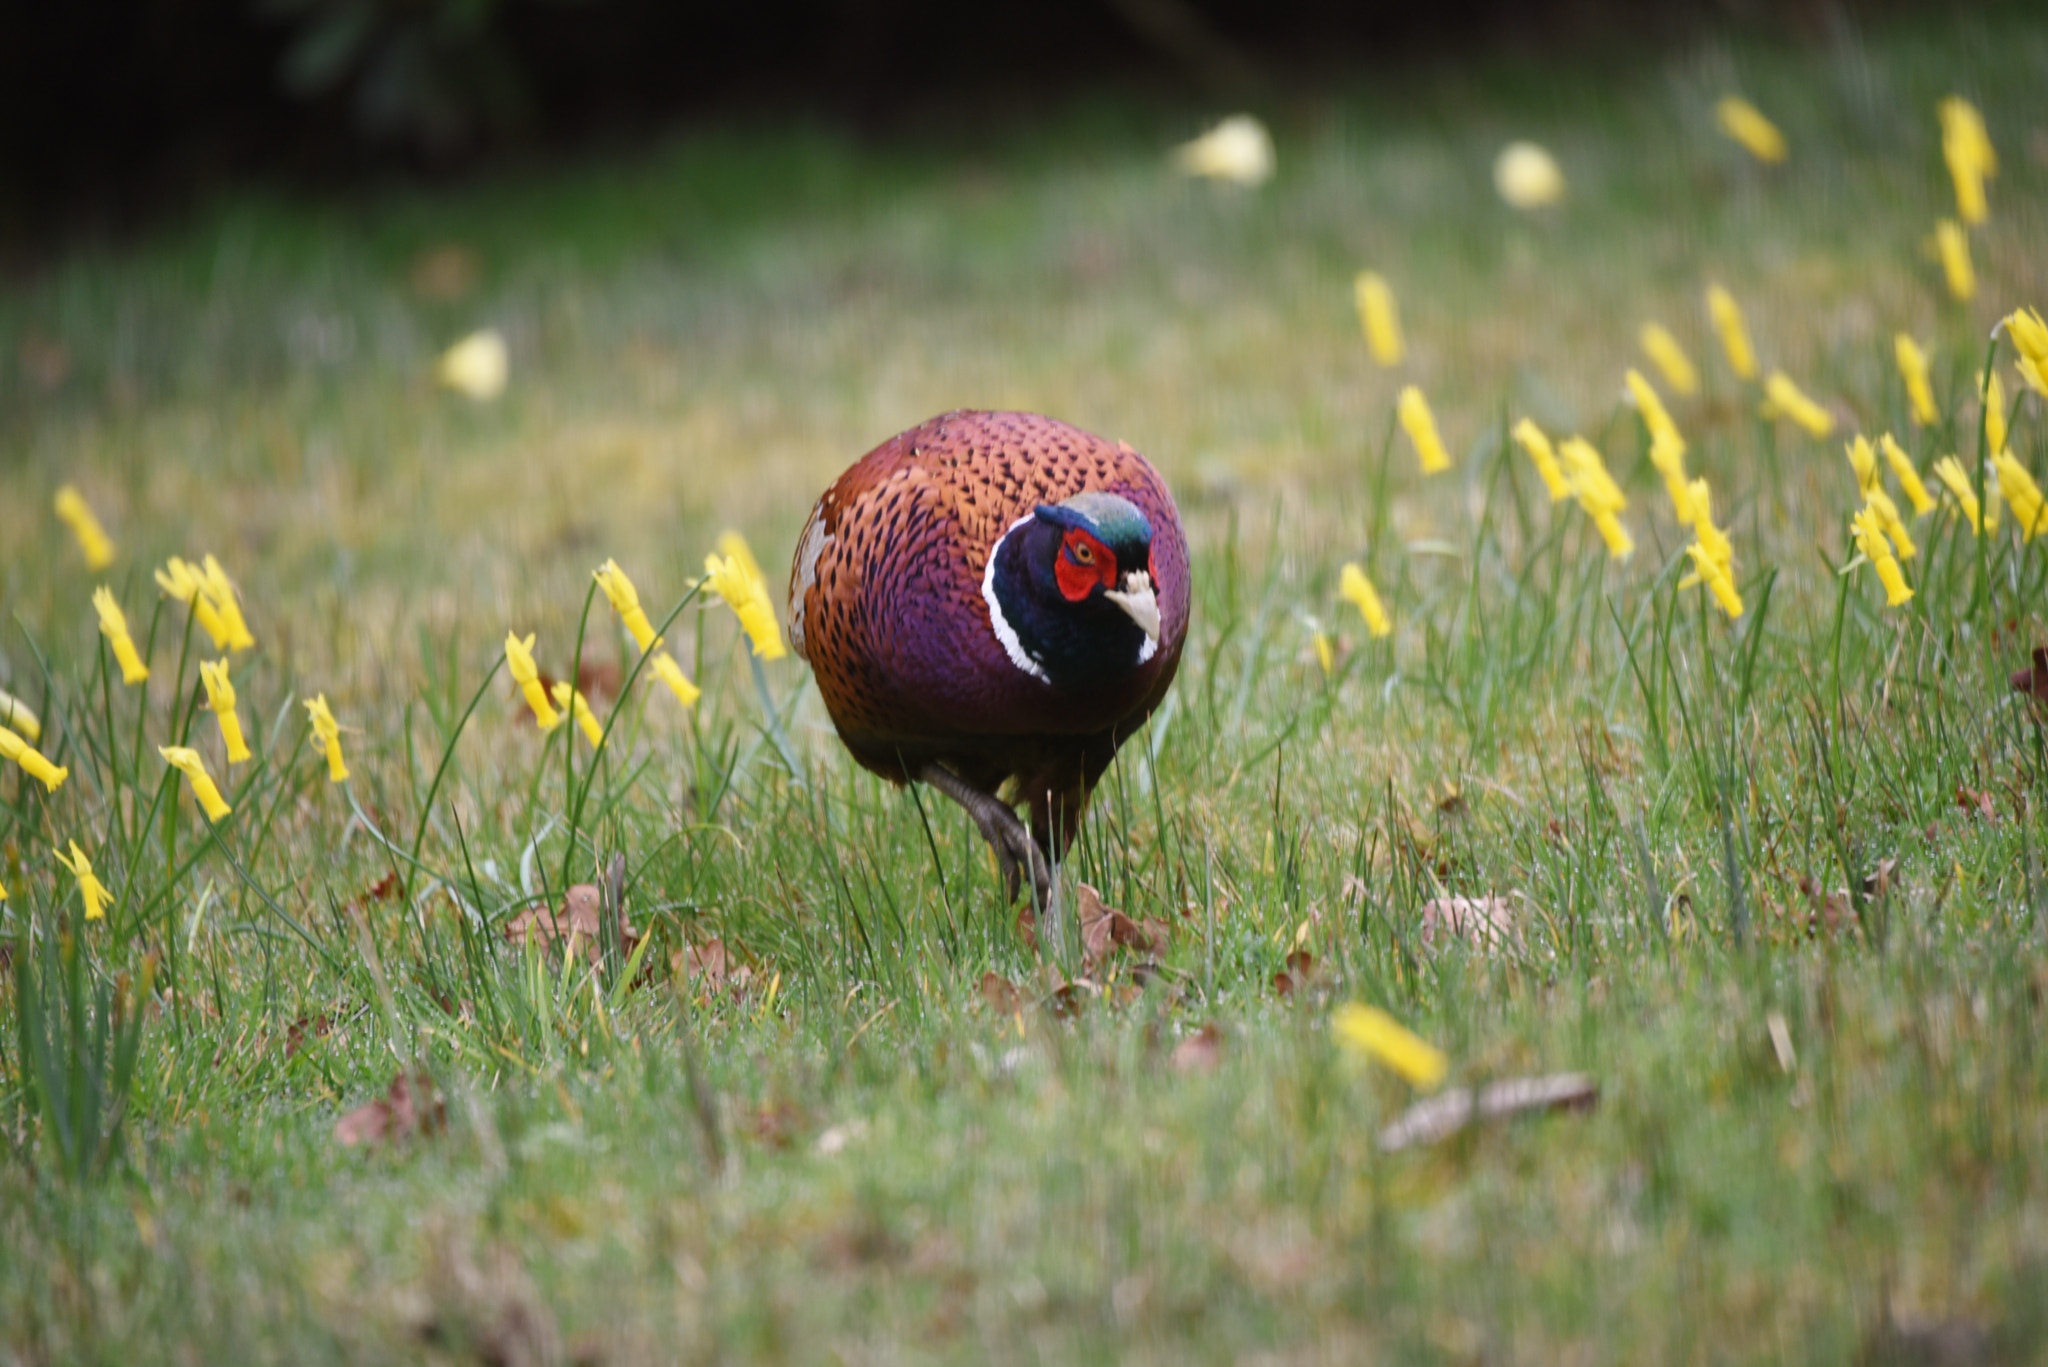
(994, 599)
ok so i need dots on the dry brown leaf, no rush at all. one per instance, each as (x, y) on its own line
(1002, 995)
(295, 1034)
(412, 1106)
(2033, 681)
(1441, 1116)
(578, 920)
(1299, 973)
(1976, 803)
(1200, 1052)
(1486, 923)
(1103, 927)
(711, 968)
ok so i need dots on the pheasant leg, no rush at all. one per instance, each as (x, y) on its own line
(1005, 834)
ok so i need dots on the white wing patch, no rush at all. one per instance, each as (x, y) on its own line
(813, 546)
(1005, 633)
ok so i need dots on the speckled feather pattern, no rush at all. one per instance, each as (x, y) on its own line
(889, 609)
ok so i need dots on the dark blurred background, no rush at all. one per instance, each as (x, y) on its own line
(112, 111)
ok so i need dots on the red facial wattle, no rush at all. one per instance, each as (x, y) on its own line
(1084, 565)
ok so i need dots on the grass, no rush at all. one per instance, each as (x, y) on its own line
(1779, 880)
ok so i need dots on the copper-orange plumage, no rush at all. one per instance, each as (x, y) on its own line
(994, 599)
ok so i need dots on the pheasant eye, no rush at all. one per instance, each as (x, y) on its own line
(1083, 553)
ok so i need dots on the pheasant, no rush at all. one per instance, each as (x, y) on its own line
(992, 603)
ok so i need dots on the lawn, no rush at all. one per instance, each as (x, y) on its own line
(1774, 882)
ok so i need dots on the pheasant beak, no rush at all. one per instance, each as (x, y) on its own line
(1137, 599)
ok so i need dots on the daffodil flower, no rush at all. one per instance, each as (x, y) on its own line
(114, 626)
(1378, 316)
(90, 889)
(525, 673)
(1863, 460)
(1545, 459)
(1670, 359)
(2030, 337)
(1953, 246)
(1784, 398)
(1727, 316)
(1238, 150)
(14, 712)
(1597, 494)
(93, 540)
(1909, 478)
(476, 366)
(1956, 480)
(31, 760)
(1708, 571)
(1887, 512)
(327, 735)
(1711, 539)
(220, 591)
(1354, 587)
(1742, 121)
(1670, 463)
(183, 581)
(220, 696)
(1967, 149)
(1369, 1031)
(1913, 370)
(575, 704)
(1326, 654)
(626, 602)
(2017, 487)
(1870, 539)
(1994, 412)
(1420, 425)
(737, 579)
(1655, 416)
(669, 672)
(187, 762)
(1527, 176)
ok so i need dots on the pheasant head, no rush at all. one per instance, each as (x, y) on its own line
(1071, 590)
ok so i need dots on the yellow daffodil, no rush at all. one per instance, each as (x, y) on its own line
(3, 892)
(1353, 586)
(1994, 412)
(1238, 150)
(1326, 654)
(1379, 317)
(1863, 460)
(114, 626)
(1741, 120)
(2018, 488)
(14, 712)
(1913, 370)
(1967, 149)
(31, 760)
(1670, 463)
(1711, 539)
(1670, 359)
(1655, 416)
(1953, 246)
(525, 673)
(1545, 459)
(1708, 571)
(737, 579)
(1372, 1032)
(1870, 539)
(575, 704)
(1527, 176)
(220, 591)
(184, 582)
(327, 735)
(2030, 338)
(476, 366)
(92, 538)
(1420, 425)
(1887, 512)
(626, 602)
(669, 672)
(187, 762)
(1728, 322)
(90, 889)
(1956, 480)
(1782, 398)
(220, 695)
(1597, 494)
(1909, 478)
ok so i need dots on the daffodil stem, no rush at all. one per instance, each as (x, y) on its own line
(419, 834)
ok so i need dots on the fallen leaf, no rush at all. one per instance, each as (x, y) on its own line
(1001, 995)
(412, 1106)
(599, 679)
(1299, 973)
(578, 921)
(776, 1122)
(385, 888)
(1879, 882)
(295, 1034)
(1441, 1116)
(1200, 1052)
(712, 968)
(1486, 923)
(1104, 926)
(1976, 803)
